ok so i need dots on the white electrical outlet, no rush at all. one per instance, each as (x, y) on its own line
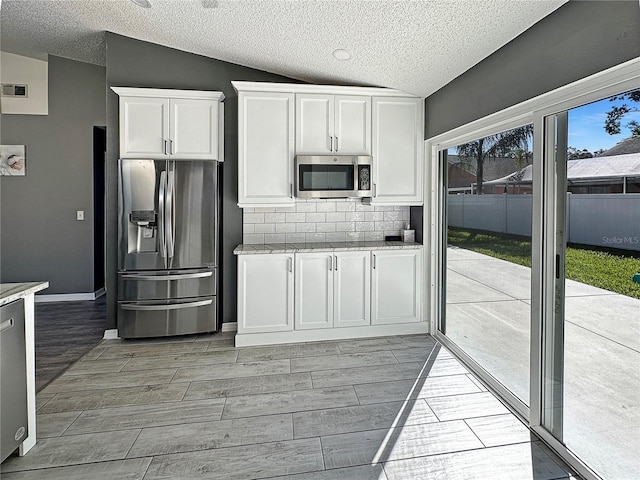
(80, 215)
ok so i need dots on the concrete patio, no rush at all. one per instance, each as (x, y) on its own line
(488, 315)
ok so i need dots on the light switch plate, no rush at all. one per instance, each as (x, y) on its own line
(80, 215)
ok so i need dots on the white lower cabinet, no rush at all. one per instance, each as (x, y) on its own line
(396, 286)
(313, 290)
(330, 295)
(265, 293)
(332, 289)
(352, 289)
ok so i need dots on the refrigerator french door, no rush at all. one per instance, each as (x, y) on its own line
(168, 247)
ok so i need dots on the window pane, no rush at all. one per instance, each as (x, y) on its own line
(488, 257)
(601, 414)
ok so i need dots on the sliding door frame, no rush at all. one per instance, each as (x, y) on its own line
(544, 359)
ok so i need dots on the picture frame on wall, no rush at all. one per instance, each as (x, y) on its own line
(13, 160)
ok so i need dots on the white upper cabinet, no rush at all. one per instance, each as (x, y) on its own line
(144, 127)
(278, 121)
(333, 124)
(265, 148)
(179, 124)
(193, 129)
(397, 150)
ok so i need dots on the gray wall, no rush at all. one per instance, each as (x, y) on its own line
(40, 237)
(577, 40)
(134, 63)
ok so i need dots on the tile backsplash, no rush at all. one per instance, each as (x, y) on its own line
(322, 221)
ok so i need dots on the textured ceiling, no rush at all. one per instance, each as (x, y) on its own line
(416, 46)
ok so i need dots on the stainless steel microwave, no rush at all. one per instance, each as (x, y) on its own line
(333, 176)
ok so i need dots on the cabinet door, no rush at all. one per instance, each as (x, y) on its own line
(144, 127)
(314, 124)
(265, 148)
(396, 286)
(352, 132)
(397, 150)
(313, 297)
(352, 289)
(265, 293)
(193, 129)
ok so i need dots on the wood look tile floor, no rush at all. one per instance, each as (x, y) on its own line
(196, 407)
(65, 331)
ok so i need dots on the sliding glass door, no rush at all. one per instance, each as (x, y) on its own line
(539, 262)
(592, 349)
(487, 311)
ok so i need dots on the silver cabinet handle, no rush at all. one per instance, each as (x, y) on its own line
(6, 325)
(374, 260)
(291, 190)
(173, 306)
(165, 147)
(170, 147)
(336, 267)
(331, 144)
(374, 189)
(289, 264)
(153, 278)
(330, 263)
(336, 144)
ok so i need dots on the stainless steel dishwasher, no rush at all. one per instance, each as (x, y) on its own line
(13, 378)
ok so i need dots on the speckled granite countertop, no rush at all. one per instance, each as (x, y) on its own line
(12, 291)
(321, 247)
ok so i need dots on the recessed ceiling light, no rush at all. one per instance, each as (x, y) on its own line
(142, 3)
(341, 54)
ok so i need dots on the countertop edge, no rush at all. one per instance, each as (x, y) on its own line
(257, 249)
(14, 291)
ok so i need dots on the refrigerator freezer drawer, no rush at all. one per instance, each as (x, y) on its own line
(165, 284)
(162, 318)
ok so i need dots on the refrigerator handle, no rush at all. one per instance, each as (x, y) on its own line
(161, 214)
(169, 214)
(162, 306)
(155, 278)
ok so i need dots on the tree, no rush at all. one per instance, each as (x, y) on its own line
(613, 123)
(521, 158)
(574, 154)
(501, 144)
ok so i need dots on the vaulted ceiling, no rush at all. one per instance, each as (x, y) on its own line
(416, 46)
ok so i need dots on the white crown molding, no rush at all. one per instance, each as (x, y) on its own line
(167, 93)
(318, 89)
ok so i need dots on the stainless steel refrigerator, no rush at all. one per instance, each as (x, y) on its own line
(168, 247)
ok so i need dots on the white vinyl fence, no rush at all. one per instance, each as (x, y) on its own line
(606, 220)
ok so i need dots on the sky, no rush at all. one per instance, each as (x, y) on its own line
(586, 125)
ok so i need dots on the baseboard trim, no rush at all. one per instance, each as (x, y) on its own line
(111, 334)
(342, 333)
(229, 327)
(70, 297)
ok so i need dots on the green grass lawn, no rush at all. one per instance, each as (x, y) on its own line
(609, 271)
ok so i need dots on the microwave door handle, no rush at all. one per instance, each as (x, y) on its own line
(161, 209)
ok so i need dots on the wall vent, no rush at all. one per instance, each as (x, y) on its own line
(14, 90)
